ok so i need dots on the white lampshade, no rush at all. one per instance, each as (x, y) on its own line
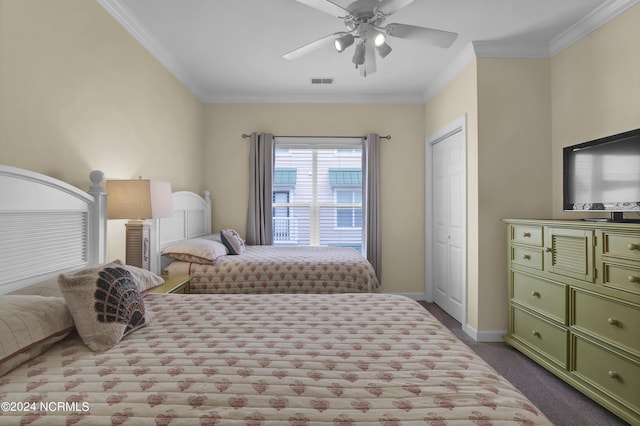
(139, 199)
(343, 42)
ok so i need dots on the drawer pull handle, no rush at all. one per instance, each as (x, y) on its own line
(633, 246)
(633, 279)
(548, 249)
(612, 374)
(612, 321)
(535, 294)
(527, 257)
(535, 333)
(527, 235)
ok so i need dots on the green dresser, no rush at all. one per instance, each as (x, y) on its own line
(574, 305)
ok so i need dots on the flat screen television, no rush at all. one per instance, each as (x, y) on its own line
(603, 175)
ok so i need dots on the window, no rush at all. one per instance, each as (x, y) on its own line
(323, 203)
(284, 181)
(349, 216)
(281, 218)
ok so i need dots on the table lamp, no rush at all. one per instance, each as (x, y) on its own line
(138, 200)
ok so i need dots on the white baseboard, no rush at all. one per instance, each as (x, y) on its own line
(477, 335)
(484, 335)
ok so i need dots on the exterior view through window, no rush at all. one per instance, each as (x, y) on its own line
(317, 192)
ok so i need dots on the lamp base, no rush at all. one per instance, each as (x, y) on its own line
(138, 245)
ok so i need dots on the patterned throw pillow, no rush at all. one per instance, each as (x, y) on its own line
(232, 240)
(105, 303)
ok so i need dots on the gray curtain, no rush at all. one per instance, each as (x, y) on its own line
(371, 202)
(259, 214)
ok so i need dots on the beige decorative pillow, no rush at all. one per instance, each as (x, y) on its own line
(105, 303)
(145, 280)
(232, 240)
(196, 250)
(29, 324)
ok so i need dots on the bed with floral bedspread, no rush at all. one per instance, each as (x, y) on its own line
(292, 359)
(281, 269)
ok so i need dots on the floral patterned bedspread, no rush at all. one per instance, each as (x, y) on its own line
(280, 269)
(292, 359)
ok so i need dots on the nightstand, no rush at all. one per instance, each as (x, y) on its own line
(178, 284)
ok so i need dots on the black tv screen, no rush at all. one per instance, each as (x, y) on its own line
(603, 174)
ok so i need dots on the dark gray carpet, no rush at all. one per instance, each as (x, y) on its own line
(563, 405)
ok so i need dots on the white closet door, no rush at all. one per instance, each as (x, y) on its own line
(449, 224)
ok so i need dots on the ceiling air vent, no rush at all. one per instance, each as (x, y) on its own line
(322, 81)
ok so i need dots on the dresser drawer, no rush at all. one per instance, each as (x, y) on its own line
(544, 296)
(613, 321)
(526, 256)
(546, 337)
(621, 277)
(526, 234)
(622, 246)
(612, 373)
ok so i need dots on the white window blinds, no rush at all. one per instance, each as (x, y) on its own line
(317, 192)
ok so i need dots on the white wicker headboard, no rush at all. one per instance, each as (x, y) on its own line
(191, 218)
(48, 226)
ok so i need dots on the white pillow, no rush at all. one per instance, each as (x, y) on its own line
(196, 250)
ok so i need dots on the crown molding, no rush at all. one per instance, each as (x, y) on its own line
(598, 17)
(312, 98)
(128, 20)
(500, 49)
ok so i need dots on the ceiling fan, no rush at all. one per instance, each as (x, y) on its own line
(364, 19)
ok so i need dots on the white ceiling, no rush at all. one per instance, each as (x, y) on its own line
(231, 51)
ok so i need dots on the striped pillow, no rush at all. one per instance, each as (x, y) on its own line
(29, 325)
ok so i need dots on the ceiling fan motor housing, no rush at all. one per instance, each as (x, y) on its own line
(363, 12)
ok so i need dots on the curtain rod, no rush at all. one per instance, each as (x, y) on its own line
(387, 137)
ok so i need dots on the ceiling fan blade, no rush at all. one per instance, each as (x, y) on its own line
(327, 6)
(429, 35)
(309, 47)
(389, 7)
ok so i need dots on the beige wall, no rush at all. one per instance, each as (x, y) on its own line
(514, 171)
(506, 102)
(78, 93)
(402, 169)
(595, 90)
(458, 98)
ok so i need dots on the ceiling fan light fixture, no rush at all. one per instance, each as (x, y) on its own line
(383, 50)
(380, 39)
(341, 43)
(358, 56)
